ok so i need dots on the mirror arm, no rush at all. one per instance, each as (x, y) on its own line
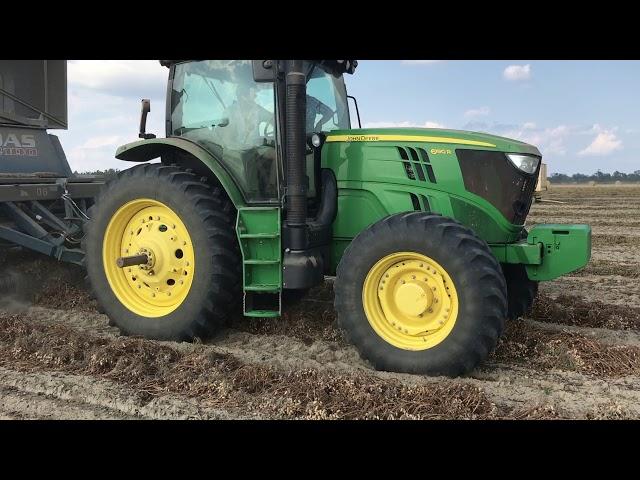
(146, 108)
(357, 110)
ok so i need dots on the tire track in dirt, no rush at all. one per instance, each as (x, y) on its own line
(608, 268)
(609, 289)
(497, 379)
(561, 394)
(606, 336)
(68, 396)
(573, 310)
(18, 403)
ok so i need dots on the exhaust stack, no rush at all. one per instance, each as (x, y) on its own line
(296, 106)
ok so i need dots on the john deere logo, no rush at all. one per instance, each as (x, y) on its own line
(440, 151)
(362, 138)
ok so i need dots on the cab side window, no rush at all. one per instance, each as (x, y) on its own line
(217, 104)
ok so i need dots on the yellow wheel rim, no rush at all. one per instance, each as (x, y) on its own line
(410, 301)
(150, 227)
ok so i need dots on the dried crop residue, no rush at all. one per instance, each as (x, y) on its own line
(221, 380)
(572, 310)
(526, 345)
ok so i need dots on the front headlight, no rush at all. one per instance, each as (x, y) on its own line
(526, 163)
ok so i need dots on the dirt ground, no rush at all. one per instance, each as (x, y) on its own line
(577, 355)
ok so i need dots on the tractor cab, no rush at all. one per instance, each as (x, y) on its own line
(237, 115)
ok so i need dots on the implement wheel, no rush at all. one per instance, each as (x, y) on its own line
(420, 293)
(179, 233)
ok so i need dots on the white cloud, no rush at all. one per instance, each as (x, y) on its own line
(405, 124)
(100, 142)
(104, 109)
(477, 112)
(603, 144)
(421, 62)
(517, 72)
(118, 77)
(550, 140)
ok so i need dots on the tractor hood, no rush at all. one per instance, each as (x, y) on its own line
(448, 138)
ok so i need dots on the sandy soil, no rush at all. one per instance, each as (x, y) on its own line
(576, 355)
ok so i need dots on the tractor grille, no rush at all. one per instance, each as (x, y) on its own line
(493, 177)
(417, 165)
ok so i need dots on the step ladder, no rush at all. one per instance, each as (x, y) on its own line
(258, 230)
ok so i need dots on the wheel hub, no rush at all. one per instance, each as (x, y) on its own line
(413, 299)
(415, 305)
(151, 228)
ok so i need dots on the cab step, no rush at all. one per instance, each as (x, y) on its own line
(258, 229)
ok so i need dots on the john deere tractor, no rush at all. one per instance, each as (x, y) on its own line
(262, 188)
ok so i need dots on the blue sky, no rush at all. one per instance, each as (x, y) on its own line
(583, 115)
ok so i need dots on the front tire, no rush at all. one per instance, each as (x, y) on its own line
(186, 228)
(420, 293)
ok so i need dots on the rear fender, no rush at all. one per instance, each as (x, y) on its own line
(184, 153)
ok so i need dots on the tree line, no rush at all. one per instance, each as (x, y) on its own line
(599, 177)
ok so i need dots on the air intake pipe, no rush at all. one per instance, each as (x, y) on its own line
(296, 107)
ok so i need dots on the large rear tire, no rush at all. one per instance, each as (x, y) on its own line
(185, 226)
(420, 293)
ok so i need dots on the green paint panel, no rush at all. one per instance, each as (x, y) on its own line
(565, 249)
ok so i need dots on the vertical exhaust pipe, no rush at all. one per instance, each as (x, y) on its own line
(296, 107)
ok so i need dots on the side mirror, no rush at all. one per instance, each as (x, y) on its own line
(263, 70)
(146, 108)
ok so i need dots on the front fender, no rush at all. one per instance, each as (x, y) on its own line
(145, 150)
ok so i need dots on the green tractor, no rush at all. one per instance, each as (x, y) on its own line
(263, 188)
